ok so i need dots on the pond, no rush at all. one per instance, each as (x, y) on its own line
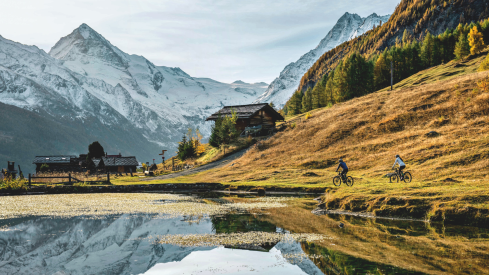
(155, 233)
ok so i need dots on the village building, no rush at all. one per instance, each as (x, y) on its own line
(118, 164)
(71, 163)
(59, 163)
(261, 116)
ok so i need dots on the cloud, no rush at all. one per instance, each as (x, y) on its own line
(252, 40)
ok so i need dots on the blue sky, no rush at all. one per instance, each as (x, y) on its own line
(227, 40)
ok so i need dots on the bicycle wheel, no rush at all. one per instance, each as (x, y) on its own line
(407, 177)
(337, 181)
(394, 178)
(349, 181)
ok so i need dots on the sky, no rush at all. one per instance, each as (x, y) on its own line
(226, 40)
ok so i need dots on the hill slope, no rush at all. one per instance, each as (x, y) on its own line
(416, 17)
(449, 167)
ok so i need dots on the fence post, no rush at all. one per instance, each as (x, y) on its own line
(108, 177)
(29, 179)
(69, 178)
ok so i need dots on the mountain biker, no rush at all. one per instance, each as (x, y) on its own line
(402, 165)
(344, 168)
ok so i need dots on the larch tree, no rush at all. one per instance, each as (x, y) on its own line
(476, 41)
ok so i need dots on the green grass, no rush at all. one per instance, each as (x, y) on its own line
(442, 72)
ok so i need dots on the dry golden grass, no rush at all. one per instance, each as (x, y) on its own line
(81, 176)
(431, 249)
(449, 168)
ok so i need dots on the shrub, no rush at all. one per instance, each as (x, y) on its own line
(484, 84)
(308, 115)
(485, 64)
(44, 168)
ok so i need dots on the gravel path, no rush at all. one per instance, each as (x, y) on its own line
(212, 165)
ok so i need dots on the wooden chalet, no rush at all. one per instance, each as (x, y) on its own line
(118, 164)
(60, 163)
(250, 116)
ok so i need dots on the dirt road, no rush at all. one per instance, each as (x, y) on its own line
(212, 165)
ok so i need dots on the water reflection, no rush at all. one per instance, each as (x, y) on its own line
(126, 244)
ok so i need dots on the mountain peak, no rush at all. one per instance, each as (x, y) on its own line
(348, 15)
(85, 41)
(238, 82)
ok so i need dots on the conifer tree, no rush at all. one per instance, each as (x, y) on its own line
(436, 52)
(306, 101)
(215, 140)
(329, 89)
(476, 41)
(485, 31)
(406, 37)
(382, 72)
(316, 96)
(426, 51)
(340, 83)
(462, 48)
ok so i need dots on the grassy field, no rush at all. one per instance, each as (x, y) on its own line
(449, 166)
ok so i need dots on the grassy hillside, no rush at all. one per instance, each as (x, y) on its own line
(449, 168)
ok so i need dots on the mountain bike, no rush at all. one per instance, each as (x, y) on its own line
(337, 180)
(397, 176)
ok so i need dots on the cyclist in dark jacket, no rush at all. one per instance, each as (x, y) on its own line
(344, 167)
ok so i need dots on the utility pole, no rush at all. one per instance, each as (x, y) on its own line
(392, 75)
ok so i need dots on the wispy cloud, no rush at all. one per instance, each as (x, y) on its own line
(226, 40)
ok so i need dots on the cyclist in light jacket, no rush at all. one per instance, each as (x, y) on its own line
(402, 165)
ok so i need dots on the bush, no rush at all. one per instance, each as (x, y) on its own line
(485, 64)
(44, 168)
(308, 116)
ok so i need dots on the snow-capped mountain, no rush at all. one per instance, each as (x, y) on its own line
(348, 27)
(85, 78)
(120, 245)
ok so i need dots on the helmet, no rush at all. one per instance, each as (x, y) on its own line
(397, 156)
(340, 160)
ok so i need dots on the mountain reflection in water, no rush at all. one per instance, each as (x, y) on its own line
(127, 244)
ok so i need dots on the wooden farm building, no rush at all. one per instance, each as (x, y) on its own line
(116, 163)
(60, 163)
(70, 163)
(250, 116)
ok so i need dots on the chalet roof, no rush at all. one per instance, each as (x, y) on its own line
(246, 111)
(96, 162)
(61, 159)
(120, 161)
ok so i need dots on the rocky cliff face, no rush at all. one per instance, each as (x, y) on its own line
(348, 27)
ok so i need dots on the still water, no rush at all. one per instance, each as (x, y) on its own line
(217, 234)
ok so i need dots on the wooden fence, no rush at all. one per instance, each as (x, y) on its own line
(70, 181)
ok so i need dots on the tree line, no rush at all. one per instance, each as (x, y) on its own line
(416, 16)
(357, 75)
